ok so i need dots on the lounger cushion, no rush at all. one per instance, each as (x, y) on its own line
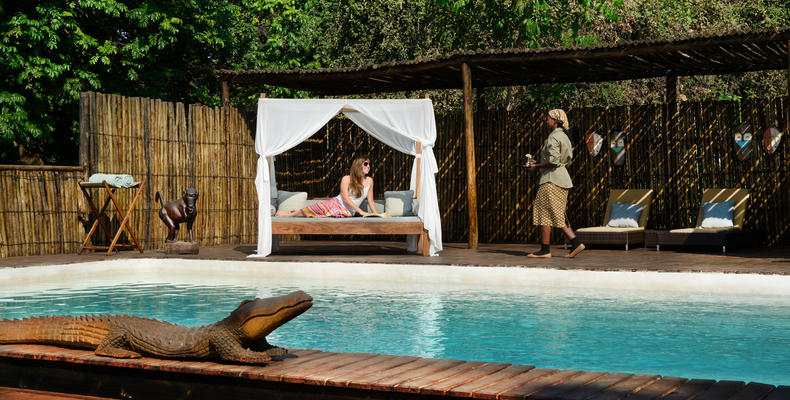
(287, 201)
(607, 229)
(717, 215)
(399, 203)
(625, 215)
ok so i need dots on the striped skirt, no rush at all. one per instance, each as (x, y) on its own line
(330, 208)
(549, 206)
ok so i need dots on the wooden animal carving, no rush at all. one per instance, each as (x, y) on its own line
(178, 211)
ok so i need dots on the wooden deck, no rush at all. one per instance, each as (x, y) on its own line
(313, 374)
(757, 261)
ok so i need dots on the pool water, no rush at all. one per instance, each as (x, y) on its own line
(693, 335)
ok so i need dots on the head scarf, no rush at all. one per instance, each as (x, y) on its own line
(559, 115)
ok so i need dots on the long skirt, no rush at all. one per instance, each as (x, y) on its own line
(549, 206)
(330, 208)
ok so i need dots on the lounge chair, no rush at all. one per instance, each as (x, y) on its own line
(615, 235)
(699, 236)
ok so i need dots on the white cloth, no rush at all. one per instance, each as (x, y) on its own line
(356, 200)
(401, 124)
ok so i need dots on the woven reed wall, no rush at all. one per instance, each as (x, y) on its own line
(39, 209)
(174, 146)
(695, 152)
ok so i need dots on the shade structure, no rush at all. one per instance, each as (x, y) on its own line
(401, 124)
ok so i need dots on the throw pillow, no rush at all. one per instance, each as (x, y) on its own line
(398, 203)
(625, 215)
(717, 215)
(288, 201)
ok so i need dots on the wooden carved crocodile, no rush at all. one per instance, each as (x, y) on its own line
(241, 337)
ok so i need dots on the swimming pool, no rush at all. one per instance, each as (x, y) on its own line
(688, 325)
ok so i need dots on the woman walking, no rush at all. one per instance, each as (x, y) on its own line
(551, 202)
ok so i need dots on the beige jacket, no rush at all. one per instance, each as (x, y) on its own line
(557, 150)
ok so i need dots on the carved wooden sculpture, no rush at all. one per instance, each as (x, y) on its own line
(240, 337)
(178, 211)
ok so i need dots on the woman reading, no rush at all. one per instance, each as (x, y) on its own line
(354, 188)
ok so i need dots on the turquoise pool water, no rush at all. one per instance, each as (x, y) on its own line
(692, 335)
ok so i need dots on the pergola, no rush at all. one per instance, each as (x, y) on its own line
(699, 55)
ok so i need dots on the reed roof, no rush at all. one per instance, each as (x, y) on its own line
(699, 55)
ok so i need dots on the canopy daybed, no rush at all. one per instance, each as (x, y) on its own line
(406, 125)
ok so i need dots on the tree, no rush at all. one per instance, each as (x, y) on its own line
(52, 50)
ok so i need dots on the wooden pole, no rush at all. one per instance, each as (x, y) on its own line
(672, 95)
(225, 94)
(84, 131)
(471, 170)
(670, 113)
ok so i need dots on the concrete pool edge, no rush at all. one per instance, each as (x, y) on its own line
(195, 271)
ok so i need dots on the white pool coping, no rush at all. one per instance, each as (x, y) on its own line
(219, 272)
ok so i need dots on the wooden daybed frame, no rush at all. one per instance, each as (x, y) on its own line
(360, 226)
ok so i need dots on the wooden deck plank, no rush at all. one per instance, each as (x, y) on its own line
(272, 372)
(435, 366)
(721, 390)
(780, 393)
(414, 385)
(321, 378)
(491, 392)
(625, 387)
(690, 389)
(467, 389)
(8, 393)
(359, 376)
(366, 382)
(567, 386)
(537, 385)
(596, 387)
(753, 391)
(442, 387)
(298, 375)
(277, 372)
(659, 388)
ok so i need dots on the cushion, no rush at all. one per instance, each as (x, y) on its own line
(398, 203)
(624, 215)
(288, 201)
(717, 215)
(379, 205)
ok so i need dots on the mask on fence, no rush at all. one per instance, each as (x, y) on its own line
(617, 145)
(594, 142)
(743, 141)
(771, 139)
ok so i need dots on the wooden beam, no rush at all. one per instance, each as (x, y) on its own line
(84, 133)
(471, 169)
(672, 94)
(225, 94)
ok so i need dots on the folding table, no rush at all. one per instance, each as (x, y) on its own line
(84, 186)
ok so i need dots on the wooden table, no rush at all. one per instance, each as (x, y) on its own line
(114, 245)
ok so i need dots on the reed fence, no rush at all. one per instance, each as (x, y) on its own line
(39, 210)
(175, 146)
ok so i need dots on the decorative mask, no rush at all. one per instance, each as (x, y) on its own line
(771, 139)
(743, 141)
(617, 145)
(594, 143)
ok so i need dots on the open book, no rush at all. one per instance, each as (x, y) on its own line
(377, 215)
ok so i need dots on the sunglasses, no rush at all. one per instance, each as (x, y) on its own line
(366, 164)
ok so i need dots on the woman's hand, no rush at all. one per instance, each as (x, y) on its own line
(362, 213)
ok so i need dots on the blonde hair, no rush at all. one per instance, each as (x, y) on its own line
(357, 176)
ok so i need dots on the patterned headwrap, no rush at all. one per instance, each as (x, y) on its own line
(559, 115)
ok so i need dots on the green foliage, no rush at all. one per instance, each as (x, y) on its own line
(51, 50)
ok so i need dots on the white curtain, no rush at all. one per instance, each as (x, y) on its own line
(284, 123)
